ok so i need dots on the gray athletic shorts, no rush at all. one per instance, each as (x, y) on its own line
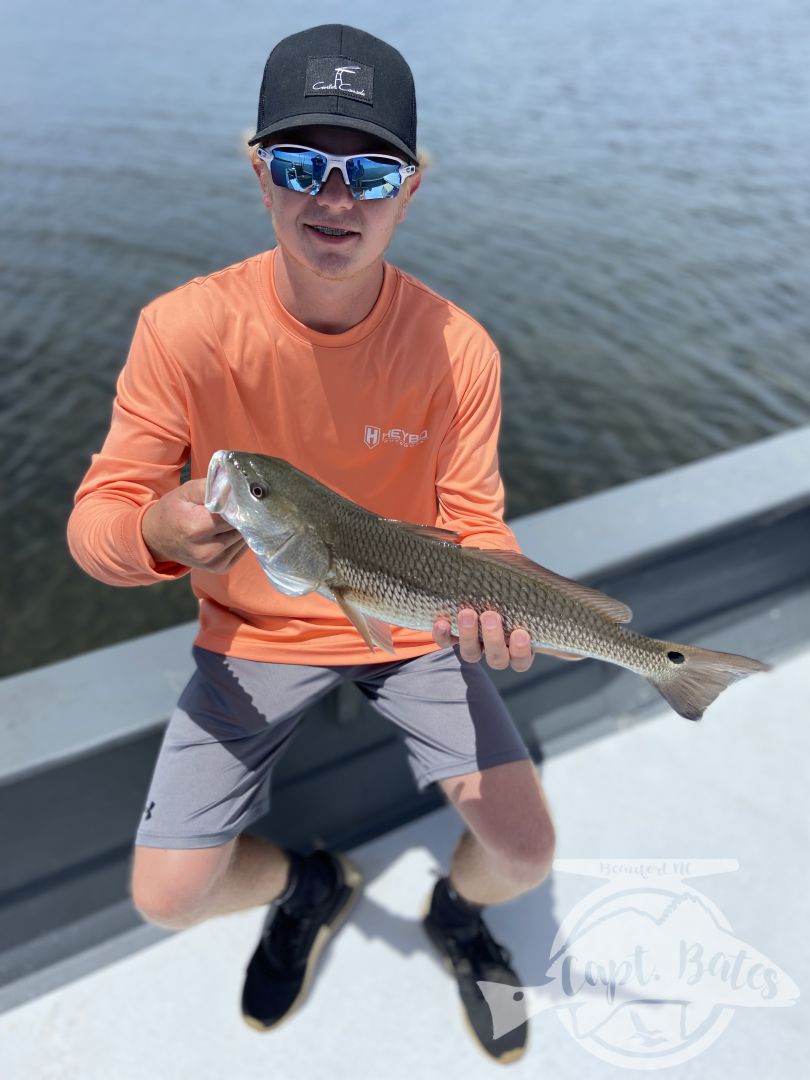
(235, 718)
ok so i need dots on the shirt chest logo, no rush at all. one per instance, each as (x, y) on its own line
(373, 436)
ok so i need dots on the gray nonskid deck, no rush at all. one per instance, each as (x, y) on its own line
(733, 787)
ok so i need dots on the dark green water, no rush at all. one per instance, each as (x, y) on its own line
(619, 193)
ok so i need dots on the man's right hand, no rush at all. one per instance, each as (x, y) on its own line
(177, 528)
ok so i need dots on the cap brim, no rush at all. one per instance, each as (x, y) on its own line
(335, 120)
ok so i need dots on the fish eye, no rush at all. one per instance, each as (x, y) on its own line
(259, 490)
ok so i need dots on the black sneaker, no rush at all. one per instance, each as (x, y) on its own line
(471, 954)
(293, 937)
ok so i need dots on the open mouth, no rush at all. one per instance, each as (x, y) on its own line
(326, 232)
(217, 484)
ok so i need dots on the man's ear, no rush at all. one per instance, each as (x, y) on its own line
(261, 173)
(406, 195)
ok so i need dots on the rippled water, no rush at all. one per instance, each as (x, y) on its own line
(619, 193)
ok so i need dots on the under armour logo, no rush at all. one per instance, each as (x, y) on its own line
(149, 809)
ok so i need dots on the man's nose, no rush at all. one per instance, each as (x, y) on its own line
(335, 192)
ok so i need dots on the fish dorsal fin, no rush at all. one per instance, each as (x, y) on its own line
(371, 630)
(431, 532)
(594, 599)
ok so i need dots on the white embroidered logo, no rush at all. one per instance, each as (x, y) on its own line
(339, 84)
(373, 435)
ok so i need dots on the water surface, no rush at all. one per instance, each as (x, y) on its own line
(619, 193)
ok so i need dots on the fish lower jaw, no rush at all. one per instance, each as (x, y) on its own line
(218, 491)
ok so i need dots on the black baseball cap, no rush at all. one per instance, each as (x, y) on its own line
(335, 74)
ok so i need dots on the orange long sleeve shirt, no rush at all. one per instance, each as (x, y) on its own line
(400, 413)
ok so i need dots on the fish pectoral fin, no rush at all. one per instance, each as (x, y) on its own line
(592, 598)
(380, 634)
(373, 631)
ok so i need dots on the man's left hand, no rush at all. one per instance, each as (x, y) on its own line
(517, 653)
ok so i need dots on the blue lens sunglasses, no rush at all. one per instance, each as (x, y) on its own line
(368, 176)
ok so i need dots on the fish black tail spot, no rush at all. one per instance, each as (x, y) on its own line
(698, 676)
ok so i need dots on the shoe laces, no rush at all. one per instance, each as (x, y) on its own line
(286, 937)
(478, 946)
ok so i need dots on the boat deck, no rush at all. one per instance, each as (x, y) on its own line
(155, 1004)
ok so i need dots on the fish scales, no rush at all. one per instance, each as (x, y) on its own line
(396, 574)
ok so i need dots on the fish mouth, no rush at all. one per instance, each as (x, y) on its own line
(218, 489)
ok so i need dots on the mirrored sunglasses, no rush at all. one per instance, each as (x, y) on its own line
(368, 176)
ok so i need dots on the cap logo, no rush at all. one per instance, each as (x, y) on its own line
(339, 76)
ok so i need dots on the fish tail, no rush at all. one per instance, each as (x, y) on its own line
(696, 676)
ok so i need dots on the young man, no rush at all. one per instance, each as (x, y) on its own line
(320, 352)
